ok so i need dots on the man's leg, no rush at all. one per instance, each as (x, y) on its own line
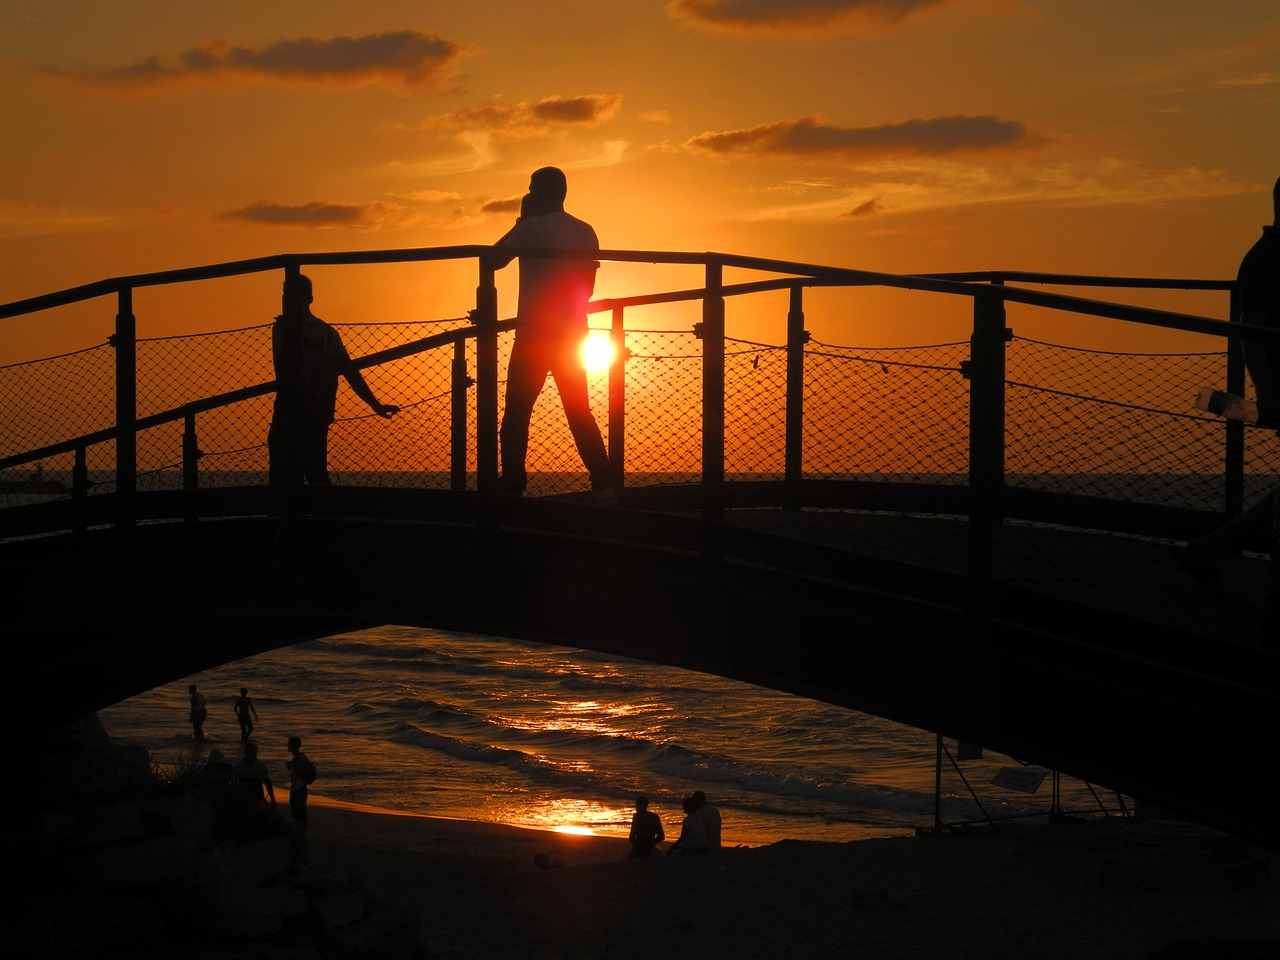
(315, 460)
(284, 461)
(526, 372)
(571, 381)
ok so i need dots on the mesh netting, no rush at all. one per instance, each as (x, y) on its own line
(1119, 426)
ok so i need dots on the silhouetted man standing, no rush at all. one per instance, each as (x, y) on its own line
(309, 357)
(198, 712)
(246, 713)
(301, 773)
(551, 323)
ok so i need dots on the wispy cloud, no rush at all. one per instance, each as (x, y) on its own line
(407, 59)
(315, 214)
(950, 184)
(866, 208)
(29, 220)
(771, 14)
(814, 137)
(1250, 80)
(503, 205)
(529, 118)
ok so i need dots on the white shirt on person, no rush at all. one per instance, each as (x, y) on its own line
(554, 292)
(710, 817)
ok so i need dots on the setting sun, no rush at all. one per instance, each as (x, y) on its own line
(597, 351)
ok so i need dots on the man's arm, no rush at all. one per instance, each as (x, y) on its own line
(356, 379)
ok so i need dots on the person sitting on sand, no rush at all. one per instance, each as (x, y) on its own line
(646, 829)
(693, 832)
(710, 817)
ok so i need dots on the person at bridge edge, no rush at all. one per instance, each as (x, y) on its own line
(551, 324)
(710, 817)
(1258, 303)
(309, 357)
(199, 712)
(246, 713)
(646, 830)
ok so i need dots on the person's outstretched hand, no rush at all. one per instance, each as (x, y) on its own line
(386, 410)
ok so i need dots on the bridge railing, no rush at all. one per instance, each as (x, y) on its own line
(987, 428)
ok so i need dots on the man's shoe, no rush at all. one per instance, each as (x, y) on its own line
(605, 497)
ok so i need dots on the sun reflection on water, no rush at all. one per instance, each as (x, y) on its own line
(565, 815)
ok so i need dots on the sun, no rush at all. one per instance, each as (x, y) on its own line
(597, 351)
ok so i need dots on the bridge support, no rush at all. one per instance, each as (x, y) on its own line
(711, 331)
(125, 342)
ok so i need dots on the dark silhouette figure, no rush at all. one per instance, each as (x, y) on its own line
(551, 324)
(251, 779)
(544, 861)
(246, 713)
(309, 357)
(1258, 300)
(710, 817)
(198, 712)
(217, 770)
(302, 773)
(646, 829)
(693, 831)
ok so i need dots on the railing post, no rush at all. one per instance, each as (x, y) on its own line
(190, 452)
(190, 466)
(459, 383)
(793, 455)
(1233, 449)
(80, 488)
(125, 342)
(711, 330)
(618, 398)
(986, 428)
(486, 319)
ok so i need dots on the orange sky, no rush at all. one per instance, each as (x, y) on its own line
(1121, 137)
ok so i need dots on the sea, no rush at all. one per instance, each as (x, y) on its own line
(484, 728)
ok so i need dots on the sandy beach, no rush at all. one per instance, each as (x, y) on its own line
(473, 892)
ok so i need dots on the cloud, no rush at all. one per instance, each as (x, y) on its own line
(1250, 80)
(31, 220)
(315, 214)
(529, 118)
(813, 137)
(405, 58)
(867, 208)
(770, 14)
(504, 205)
(953, 184)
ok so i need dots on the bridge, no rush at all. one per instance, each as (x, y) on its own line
(973, 541)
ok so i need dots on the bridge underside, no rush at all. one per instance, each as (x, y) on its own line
(1170, 718)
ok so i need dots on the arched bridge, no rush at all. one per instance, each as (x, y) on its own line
(982, 564)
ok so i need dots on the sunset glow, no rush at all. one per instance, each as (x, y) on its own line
(1076, 137)
(597, 351)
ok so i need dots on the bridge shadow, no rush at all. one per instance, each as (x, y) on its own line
(1166, 715)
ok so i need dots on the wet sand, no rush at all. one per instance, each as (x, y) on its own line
(1047, 892)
